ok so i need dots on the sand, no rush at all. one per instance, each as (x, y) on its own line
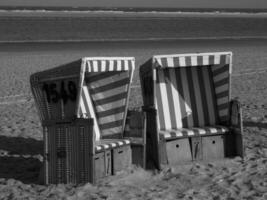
(21, 134)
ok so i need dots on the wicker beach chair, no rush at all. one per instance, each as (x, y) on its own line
(189, 112)
(83, 106)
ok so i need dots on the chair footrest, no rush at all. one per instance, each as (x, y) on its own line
(192, 132)
(105, 144)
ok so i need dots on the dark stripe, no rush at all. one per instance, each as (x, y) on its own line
(130, 65)
(224, 119)
(115, 68)
(220, 70)
(223, 59)
(221, 82)
(211, 59)
(107, 66)
(89, 77)
(99, 65)
(185, 132)
(164, 62)
(215, 96)
(110, 86)
(209, 94)
(112, 136)
(222, 94)
(173, 134)
(188, 61)
(200, 60)
(111, 125)
(111, 112)
(203, 96)
(207, 130)
(111, 99)
(159, 101)
(196, 131)
(192, 96)
(170, 97)
(176, 62)
(223, 106)
(181, 93)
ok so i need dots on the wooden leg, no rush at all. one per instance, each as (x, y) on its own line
(196, 146)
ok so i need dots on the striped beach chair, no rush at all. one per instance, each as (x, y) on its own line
(68, 97)
(187, 101)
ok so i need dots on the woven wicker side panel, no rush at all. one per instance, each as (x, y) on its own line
(69, 150)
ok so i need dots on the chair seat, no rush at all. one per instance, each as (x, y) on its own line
(106, 144)
(194, 131)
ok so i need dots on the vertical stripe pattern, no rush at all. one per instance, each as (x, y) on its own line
(192, 90)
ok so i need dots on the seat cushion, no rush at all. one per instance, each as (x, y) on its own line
(191, 132)
(105, 144)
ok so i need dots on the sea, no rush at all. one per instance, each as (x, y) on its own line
(65, 24)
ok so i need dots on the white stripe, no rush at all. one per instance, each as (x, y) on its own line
(82, 108)
(111, 118)
(221, 76)
(95, 66)
(222, 100)
(106, 146)
(170, 62)
(198, 98)
(206, 60)
(213, 130)
(119, 65)
(113, 144)
(111, 105)
(178, 133)
(126, 65)
(111, 131)
(222, 88)
(176, 98)
(111, 65)
(91, 112)
(120, 143)
(108, 80)
(217, 59)
(88, 66)
(210, 99)
(182, 61)
(202, 131)
(194, 61)
(187, 100)
(127, 141)
(98, 148)
(189, 131)
(109, 93)
(164, 97)
(103, 65)
(223, 112)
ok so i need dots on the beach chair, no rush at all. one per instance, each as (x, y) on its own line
(83, 106)
(189, 112)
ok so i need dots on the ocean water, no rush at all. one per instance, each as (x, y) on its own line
(24, 26)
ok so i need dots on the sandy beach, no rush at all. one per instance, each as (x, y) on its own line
(21, 133)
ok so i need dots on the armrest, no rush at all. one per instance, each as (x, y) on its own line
(135, 126)
(235, 119)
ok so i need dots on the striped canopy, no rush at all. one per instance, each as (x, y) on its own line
(101, 85)
(190, 90)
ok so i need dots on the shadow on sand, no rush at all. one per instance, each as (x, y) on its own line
(17, 161)
(255, 124)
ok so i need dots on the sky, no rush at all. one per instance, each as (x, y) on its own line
(142, 3)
